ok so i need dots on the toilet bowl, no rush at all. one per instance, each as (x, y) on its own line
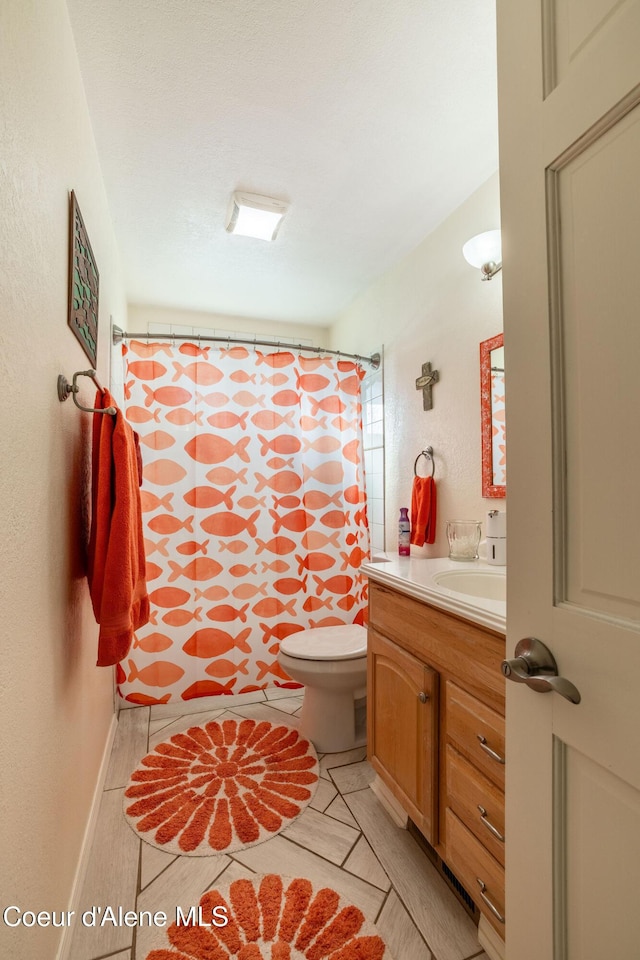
(331, 662)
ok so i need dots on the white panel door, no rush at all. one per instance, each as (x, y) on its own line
(569, 108)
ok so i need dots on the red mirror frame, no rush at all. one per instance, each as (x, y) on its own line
(489, 488)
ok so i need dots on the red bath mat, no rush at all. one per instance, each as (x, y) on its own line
(220, 787)
(275, 918)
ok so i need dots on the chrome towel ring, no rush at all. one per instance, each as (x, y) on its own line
(428, 454)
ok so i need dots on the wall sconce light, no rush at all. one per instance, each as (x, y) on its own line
(485, 252)
(254, 216)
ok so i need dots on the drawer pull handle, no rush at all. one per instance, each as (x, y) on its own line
(487, 749)
(490, 827)
(492, 906)
(423, 697)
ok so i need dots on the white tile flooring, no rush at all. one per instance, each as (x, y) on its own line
(343, 839)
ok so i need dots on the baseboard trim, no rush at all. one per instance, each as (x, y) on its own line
(85, 850)
(389, 802)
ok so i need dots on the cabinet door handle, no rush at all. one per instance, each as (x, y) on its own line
(492, 906)
(423, 697)
(490, 827)
(487, 749)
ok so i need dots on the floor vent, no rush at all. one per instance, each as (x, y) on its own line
(447, 874)
(453, 882)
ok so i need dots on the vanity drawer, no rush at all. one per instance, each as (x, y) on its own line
(477, 801)
(477, 870)
(476, 731)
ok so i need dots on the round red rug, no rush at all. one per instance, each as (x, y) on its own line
(220, 787)
(275, 918)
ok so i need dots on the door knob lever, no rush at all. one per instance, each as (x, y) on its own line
(534, 664)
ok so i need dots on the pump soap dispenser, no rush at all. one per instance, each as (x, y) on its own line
(497, 538)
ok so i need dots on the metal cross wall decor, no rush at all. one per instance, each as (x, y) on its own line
(425, 383)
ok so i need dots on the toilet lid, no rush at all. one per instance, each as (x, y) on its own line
(327, 643)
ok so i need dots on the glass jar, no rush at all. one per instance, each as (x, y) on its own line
(464, 539)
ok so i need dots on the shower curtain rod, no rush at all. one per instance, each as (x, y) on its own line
(120, 335)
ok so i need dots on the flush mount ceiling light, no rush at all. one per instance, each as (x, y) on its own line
(485, 252)
(255, 216)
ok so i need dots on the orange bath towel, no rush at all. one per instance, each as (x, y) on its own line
(116, 568)
(423, 511)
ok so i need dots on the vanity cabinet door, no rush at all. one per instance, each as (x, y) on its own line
(402, 695)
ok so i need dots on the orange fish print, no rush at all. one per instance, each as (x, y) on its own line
(152, 570)
(160, 547)
(355, 494)
(350, 385)
(211, 593)
(210, 642)
(167, 396)
(312, 604)
(330, 472)
(337, 519)
(242, 570)
(146, 701)
(204, 374)
(324, 444)
(202, 568)
(277, 566)
(269, 420)
(311, 382)
(341, 424)
(309, 423)
(314, 540)
(128, 388)
(272, 607)
(229, 524)
(351, 538)
(182, 418)
(149, 349)
(351, 451)
(345, 603)
(226, 420)
(286, 503)
(226, 668)
(140, 415)
(285, 482)
(279, 463)
(346, 366)
(149, 501)
(163, 472)
(278, 545)
(162, 673)
(247, 503)
(234, 546)
(317, 499)
(203, 497)
(194, 350)
(158, 440)
(208, 688)
(154, 643)
(208, 448)
(146, 369)
(289, 585)
(275, 380)
(331, 404)
(284, 443)
(360, 518)
(190, 547)
(169, 597)
(225, 612)
(315, 561)
(166, 524)
(223, 476)
(297, 520)
(354, 559)
(247, 590)
(285, 398)
(235, 353)
(312, 363)
(361, 617)
(153, 619)
(213, 399)
(273, 668)
(280, 359)
(338, 584)
(327, 622)
(178, 618)
(279, 630)
(245, 399)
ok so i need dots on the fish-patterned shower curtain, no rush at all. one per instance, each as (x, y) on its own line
(254, 511)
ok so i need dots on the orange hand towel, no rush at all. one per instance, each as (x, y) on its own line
(423, 511)
(116, 568)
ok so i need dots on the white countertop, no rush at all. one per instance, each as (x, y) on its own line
(414, 576)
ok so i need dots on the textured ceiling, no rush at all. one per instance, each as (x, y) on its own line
(373, 118)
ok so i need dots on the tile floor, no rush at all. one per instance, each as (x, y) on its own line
(343, 839)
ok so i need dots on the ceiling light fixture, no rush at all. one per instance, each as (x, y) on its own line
(255, 216)
(485, 252)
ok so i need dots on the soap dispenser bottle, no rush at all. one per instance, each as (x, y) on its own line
(404, 533)
(497, 538)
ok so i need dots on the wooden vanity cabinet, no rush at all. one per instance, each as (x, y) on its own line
(436, 734)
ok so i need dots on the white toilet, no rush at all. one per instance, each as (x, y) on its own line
(332, 664)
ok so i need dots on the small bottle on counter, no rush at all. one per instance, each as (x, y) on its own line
(404, 533)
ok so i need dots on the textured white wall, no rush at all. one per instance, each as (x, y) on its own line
(432, 306)
(55, 705)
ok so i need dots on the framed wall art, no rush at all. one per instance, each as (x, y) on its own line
(83, 284)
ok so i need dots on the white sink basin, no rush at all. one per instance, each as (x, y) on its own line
(475, 583)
